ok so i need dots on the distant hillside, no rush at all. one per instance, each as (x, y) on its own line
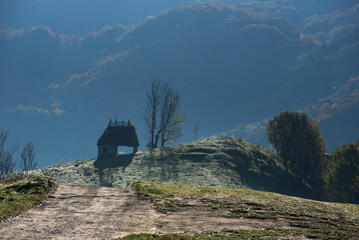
(251, 132)
(337, 114)
(218, 161)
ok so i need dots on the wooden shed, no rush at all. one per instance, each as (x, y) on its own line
(117, 133)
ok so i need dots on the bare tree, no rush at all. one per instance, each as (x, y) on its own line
(28, 162)
(163, 115)
(7, 162)
(153, 102)
(195, 129)
(171, 117)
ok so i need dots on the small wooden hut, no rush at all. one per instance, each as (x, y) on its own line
(117, 133)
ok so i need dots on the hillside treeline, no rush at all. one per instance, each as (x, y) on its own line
(298, 142)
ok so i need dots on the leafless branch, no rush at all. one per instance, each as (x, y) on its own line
(27, 161)
(162, 114)
(7, 162)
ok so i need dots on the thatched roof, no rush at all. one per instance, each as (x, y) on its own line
(119, 135)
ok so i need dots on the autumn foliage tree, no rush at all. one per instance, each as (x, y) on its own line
(298, 142)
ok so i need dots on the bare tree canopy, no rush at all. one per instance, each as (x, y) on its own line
(153, 102)
(7, 162)
(163, 115)
(27, 161)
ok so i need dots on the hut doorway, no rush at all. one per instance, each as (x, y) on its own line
(124, 150)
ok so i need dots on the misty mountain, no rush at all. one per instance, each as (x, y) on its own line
(250, 132)
(81, 16)
(337, 115)
(231, 64)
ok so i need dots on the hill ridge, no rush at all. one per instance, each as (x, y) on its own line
(215, 161)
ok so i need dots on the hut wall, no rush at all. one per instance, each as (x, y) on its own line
(107, 150)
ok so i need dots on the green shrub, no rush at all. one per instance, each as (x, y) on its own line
(13, 177)
(342, 174)
(298, 141)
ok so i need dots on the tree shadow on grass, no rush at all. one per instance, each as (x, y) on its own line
(161, 164)
(108, 166)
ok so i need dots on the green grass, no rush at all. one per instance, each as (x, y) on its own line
(22, 192)
(309, 218)
(243, 234)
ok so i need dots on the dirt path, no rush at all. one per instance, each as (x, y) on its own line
(79, 212)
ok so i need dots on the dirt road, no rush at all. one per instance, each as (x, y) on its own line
(81, 212)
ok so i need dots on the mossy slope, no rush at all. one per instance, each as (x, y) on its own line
(217, 161)
(23, 194)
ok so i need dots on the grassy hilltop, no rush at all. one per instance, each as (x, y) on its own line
(218, 161)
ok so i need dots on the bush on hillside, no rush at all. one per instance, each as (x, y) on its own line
(298, 141)
(341, 176)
